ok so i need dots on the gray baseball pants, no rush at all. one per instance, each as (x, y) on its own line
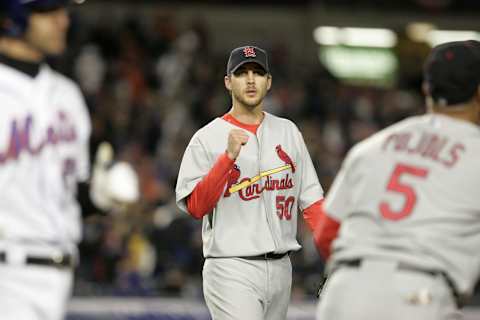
(239, 289)
(379, 290)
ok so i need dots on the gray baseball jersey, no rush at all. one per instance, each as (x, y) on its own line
(44, 136)
(409, 194)
(279, 177)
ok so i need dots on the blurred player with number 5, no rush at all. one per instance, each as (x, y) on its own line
(407, 203)
(247, 174)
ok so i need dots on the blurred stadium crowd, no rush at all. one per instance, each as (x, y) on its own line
(148, 91)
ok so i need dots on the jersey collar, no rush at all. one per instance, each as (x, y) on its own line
(249, 127)
(31, 69)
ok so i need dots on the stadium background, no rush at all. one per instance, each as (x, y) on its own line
(152, 73)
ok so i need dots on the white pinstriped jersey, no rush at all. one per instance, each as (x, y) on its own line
(410, 194)
(263, 216)
(44, 132)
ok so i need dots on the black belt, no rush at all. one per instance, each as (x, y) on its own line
(459, 298)
(267, 256)
(61, 261)
(355, 263)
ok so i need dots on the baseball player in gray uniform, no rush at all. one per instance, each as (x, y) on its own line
(248, 174)
(44, 134)
(408, 206)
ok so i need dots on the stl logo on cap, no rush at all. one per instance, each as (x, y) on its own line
(249, 52)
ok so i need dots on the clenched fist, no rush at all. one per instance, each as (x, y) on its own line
(236, 139)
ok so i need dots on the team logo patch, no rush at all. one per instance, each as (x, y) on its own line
(250, 188)
(249, 52)
(285, 157)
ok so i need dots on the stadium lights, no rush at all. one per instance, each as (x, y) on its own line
(327, 35)
(419, 31)
(426, 32)
(355, 37)
(360, 65)
(436, 37)
(369, 37)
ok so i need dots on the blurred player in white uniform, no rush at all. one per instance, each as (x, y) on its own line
(248, 174)
(44, 134)
(408, 206)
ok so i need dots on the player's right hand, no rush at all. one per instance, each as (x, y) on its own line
(236, 139)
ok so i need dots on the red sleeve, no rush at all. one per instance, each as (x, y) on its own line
(324, 227)
(207, 192)
(312, 214)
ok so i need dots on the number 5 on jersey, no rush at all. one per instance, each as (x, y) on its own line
(404, 189)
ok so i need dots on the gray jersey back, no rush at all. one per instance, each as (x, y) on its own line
(262, 217)
(410, 193)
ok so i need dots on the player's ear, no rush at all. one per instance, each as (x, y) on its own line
(477, 93)
(228, 83)
(425, 88)
(269, 81)
(477, 103)
(428, 97)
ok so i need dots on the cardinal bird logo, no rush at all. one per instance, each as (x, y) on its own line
(232, 179)
(285, 157)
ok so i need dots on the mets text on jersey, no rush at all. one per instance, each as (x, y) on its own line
(20, 139)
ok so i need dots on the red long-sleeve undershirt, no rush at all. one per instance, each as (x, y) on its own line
(325, 232)
(208, 191)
